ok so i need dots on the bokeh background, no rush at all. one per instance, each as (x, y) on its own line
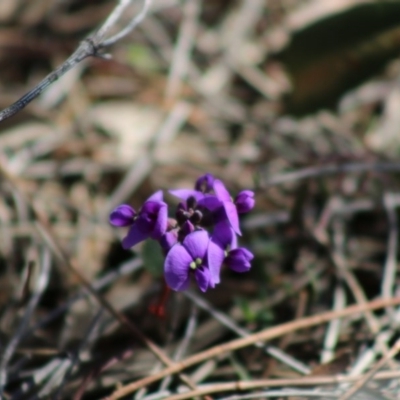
(297, 100)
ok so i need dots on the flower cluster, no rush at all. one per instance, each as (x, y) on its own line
(202, 237)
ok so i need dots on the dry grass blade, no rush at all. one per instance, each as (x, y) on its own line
(49, 238)
(296, 100)
(269, 383)
(40, 286)
(229, 323)
(369, 376)
(268, 334)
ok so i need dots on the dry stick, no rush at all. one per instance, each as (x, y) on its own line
(130, 27)
(389, 274)
(333, 329)
(41, 284)
(338, 258)
(184, 344)
(90, 47)
(178, 354)
(256, 384)
(359, 384)
(87, 339)
(93, 45)
(284, 393)
(320, 232)
(48, 236)
(264, 335)
(224, 319)
(126, 268)
(368, 356)
(96, 370)
(285, 341)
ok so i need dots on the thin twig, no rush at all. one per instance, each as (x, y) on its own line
(286, 393)
(339, 259)
(41, 284)
(239, 386)
(368, 356)
(273, 351)
(93, 45)
(88, 337)
(112, 19)
(264, 335)
(130, 27)
(389, 272)
(124, 269)
(333, 329)
(50, 239)
(368, 376)
(184, 344)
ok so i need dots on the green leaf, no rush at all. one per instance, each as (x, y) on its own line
(153, 259)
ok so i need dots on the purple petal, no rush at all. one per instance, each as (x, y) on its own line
(224, 235)
(182, 206)
(184, 194)
(196, 243)
(144, 224)
(232, 215)
(134, 236)
(168, 240)
(176, 268)
(245, 201)
(203, 278)
(215, 258)
(153, 218)
(210, 202)
(122, 215)
(186, 229)
(239, 259)
(151, 208)
(160, 225)
(205, 183)
(157, 196)
(220, 191)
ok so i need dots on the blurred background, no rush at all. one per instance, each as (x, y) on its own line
(297, 100)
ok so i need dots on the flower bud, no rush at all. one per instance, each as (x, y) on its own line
(244, 201)
(205, 183)
(123, 215)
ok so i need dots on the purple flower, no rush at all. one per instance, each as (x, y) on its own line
(244, 201)
(186, 229)
(222, 199)
(168, 240)
(151, 220)
(186, 194)
(239, 259)
(222, 240)
(187, 210)
(224, 235)
(223, 250)
(189, 257)
(123, 215)
(205, 183)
